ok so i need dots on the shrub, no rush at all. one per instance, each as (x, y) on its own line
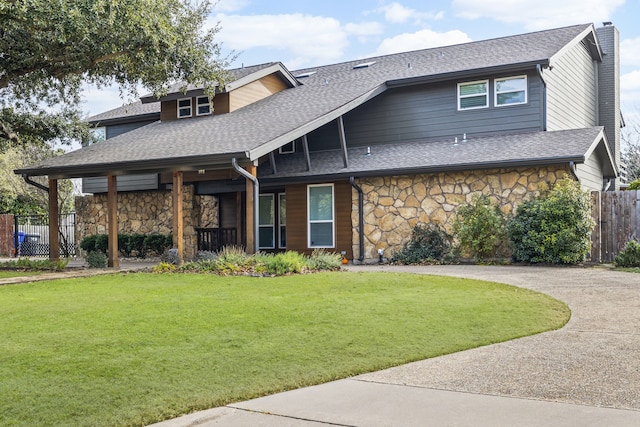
(124, 244)
(205, 256)
(156, 243)
(170, 257)
(88, 243)
(279, 264)
(323, 260)
(97, 259)
(136, 242)
(630, 256)
(634, 185)
(164, 267)
(102, 243)
(35, 264)
(554, 227)
(480, 228)
(428, 243)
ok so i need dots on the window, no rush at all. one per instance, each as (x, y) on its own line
(203, 106)
(288, 148)
(184, 108)
(320, 216)
(511, 91)
(266, 224)
(282, 221)
(473, 95)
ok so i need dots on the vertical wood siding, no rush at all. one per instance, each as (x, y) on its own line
(297, 218)
(571, 90)
(255, 91)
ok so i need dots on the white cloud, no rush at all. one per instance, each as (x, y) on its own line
(396, 13)
(630, 89)
(422, 39)
(309, 39)
(364, 29)
(630, 52)
(538, 14)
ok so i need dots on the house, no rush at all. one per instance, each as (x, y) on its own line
(350, 156)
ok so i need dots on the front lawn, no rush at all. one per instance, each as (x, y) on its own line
(132, 349)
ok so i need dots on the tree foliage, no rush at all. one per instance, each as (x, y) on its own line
(631, 150)
(49, 49)
(20, 198)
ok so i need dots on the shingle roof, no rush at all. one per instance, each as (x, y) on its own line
(430, 156)
(126, 111)
(259, 128)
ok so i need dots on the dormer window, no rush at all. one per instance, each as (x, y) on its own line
(203, 106)
(184, 108)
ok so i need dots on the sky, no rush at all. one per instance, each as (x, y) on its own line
(306, 33)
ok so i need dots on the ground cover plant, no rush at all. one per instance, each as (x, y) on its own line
(26, 264)
(132, 349)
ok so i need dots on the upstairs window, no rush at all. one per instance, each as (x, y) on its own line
(473, 95)
(288, 148)
(511, 91)
(184, 108)
(203, 106)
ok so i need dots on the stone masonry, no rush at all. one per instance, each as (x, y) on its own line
(394, 205)
(148, 212)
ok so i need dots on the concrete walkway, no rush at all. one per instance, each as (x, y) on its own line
(586, 374)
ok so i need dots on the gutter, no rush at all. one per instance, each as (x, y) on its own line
(574, 170)
(256, 198)
(544, 97)
(360, 218)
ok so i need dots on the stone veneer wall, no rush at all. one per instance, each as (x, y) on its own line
(394, 205)
(147, 212)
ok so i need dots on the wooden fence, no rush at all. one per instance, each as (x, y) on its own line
(6, 235)
(617, 220)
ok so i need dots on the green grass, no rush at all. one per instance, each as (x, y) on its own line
(138, 348)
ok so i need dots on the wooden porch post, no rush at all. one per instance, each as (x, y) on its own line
(112, 221)
(178, 219)
(54, 240)
(248, 209)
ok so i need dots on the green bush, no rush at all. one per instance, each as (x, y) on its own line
(554, 227)
(428, 243)
(630, 256)
(35, 264)
(279, 264)
(155, 243)
(97, 259)
(634, 185)
(321, 260)
(124, 244)
(136, 242)
(88, 243)
(480, 227)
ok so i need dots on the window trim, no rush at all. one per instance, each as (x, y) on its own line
(181, 108)
(332, 221)
(495, 91)
(208, 104)
(282, 224)
(272, 226)
(281, 149)
(486, 94)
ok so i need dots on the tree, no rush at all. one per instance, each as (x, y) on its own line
(20, 198)
(631, 150)
(48, 49)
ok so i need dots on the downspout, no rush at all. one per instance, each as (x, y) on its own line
(28, 180)
(544, 97)
(256, 198)
(360, 217)
(574, 170)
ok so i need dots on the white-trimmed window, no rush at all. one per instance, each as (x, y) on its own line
(266, 223)
(288, 148)
(510, 91)
(320, 212)
(282, 220)
(203, 106)
(472, 95)
(184, 108)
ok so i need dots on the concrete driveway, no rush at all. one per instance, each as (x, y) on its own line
(586, 374)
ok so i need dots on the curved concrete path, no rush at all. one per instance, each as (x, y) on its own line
(585, 374)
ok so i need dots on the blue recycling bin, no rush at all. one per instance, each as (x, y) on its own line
(27, 244)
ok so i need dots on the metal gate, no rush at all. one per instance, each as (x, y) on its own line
(31, 236)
